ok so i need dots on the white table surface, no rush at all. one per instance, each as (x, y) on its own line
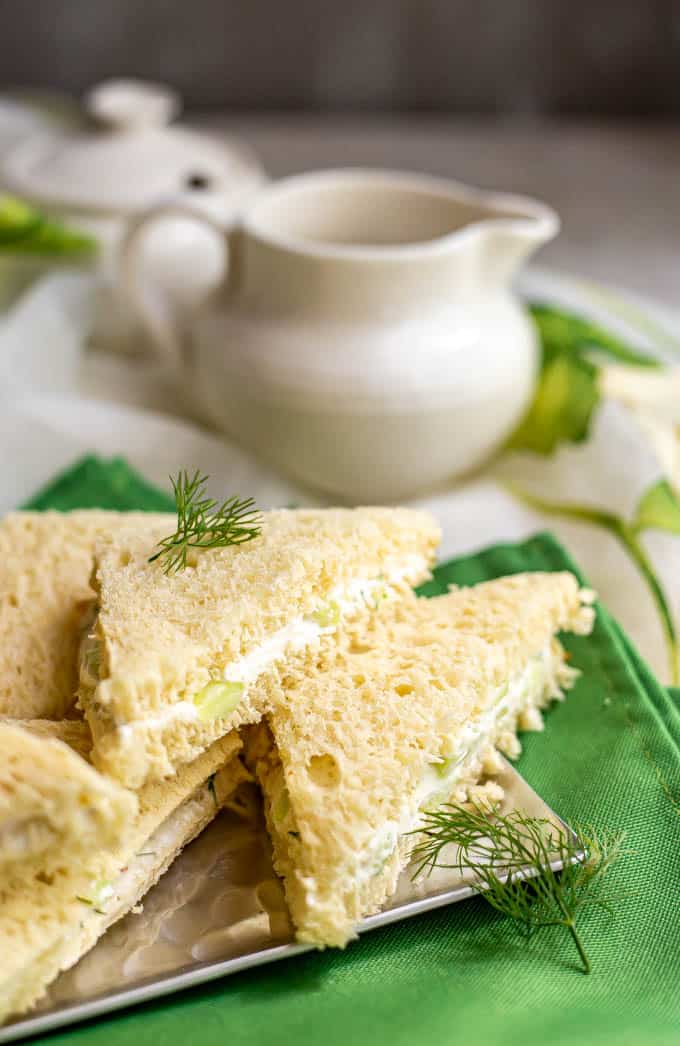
(616, 186)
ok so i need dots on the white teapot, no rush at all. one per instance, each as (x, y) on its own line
(124, 155)
(364, 336)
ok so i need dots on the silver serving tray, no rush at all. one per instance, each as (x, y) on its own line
(220, 909)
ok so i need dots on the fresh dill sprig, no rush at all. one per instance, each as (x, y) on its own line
(204, 523)
(88, 901)
(514, 859)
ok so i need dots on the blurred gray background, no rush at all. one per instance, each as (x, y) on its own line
(572, 101)
(516, 57)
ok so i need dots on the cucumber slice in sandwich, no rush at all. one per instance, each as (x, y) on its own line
(183, 658)
(47, 922)
(396, 716)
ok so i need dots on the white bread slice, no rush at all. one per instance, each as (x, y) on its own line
(401, 715)
(73, 732)
(159, 640)
(48, 923)
(45, 567)
(51, 798)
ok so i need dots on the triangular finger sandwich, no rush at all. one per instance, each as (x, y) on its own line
(173, 660)
(48, 922)
(45, 567)
(398, 716)
(51, 799)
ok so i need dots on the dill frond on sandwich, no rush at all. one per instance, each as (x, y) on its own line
(203, 523)
(372, 720)
(170, 661)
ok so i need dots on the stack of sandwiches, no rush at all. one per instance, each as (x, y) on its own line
(134, 702)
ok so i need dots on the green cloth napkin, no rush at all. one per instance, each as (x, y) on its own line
(609, 756)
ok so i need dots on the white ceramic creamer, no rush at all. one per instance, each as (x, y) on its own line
(124, 155)
(364, 336)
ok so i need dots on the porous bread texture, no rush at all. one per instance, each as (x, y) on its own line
(183, 825)
(355, 729)
(328, 917)
(45, 928)
(50, 798)
(73, 732)
(510, 606)
(162, 638)
(45, 566)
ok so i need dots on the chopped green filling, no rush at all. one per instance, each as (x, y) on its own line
(102, 891)
(281, 807)
(379, 594)
(442, 769)
(217, 700)
(86, 900)
(328, 616)
(383, 856)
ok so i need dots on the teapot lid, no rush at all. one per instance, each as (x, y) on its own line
(127, 156)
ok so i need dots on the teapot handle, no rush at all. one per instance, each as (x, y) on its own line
(157, 308)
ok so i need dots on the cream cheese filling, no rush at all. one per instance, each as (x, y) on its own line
(109, 900)
(304, 631)
(301, 633)
(521, 697)
(181, 711)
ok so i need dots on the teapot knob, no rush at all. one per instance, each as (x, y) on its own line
(132, 104)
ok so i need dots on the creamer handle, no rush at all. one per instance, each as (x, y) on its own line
(152, 304)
